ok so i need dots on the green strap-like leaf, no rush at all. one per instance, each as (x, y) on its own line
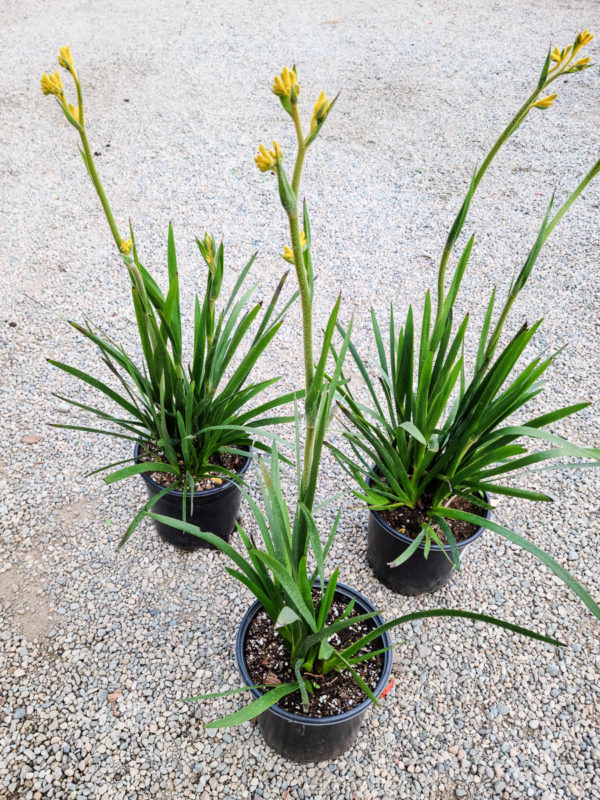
(255, 708)
(87, 429)
(287, 616)
(102, 387)
(301, 685)
(212, 539)
(327, 599)
(325, 633)
(239, 282)
(450, 538)
(511, 491)
(137, 469)
(525, 544)
(142, 513)
(446, 612)
(172, 304)
(406, 554)
(414, 431)
(266, 601)
(290, 588)
(362, 684)
(312, 397)
(225, 693)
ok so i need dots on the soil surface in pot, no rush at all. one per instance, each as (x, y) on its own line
(228, 461)
(268, 663)
(408, 520)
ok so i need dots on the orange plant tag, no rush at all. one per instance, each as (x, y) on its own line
(388, 688)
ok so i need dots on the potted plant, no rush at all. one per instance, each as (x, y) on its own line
(193, 425)
(314, 653)
(429, 443)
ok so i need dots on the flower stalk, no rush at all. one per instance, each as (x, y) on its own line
(285, 86)
(563, 65)
(75, 116)
(300, 153)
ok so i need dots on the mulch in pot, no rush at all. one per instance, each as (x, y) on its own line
(408, 520)
(228, 461)
(268, 663)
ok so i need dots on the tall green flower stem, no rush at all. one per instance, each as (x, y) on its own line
(297, 175)
(52, 84)
(95, 178)
(141, 281)
(305, 299)
(289, 201)
(286, 88)
(564, 64)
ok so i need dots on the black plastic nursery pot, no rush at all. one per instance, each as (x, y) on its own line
(302, 738)
(213, 510)
(417, 575)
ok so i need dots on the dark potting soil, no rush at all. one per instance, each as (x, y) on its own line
(408, 520)
(267, 661)
(228, 461)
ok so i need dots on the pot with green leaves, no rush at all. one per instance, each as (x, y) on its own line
(413, 565)
(314, 654)
(215, 508)
(425, 442)
(194, 424)
(285, 726)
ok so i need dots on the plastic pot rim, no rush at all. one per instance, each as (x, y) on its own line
(157, 487)
(301, 719)
(421, 546)
(402, 537)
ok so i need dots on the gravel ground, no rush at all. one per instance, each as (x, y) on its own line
(99, 647)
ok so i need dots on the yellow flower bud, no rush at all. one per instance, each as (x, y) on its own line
(263, 161)
(284, 83)
(288, 253)
(583, 38)
(560, 57)
(545, 102)
(126, 246)
(320, 111)
(45, 83)
(582, 62)
(65, 59)
(52, 84)
(209, 247)
(74, 111)
(267, 159)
